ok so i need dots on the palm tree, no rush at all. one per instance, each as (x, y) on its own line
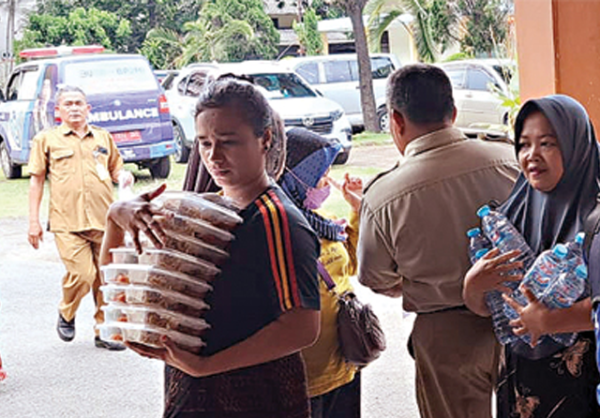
(203, 41)
(433, 27)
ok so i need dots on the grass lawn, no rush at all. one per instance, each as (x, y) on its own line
(14, 193)
(369, 139)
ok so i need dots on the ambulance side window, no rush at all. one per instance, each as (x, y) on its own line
(12, 91)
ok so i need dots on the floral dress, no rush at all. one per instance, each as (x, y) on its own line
(562, 385)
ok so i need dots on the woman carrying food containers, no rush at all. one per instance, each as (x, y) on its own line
(263, 307)
(333, 383)
(557, 150)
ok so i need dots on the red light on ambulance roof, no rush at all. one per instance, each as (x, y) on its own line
(60, 50)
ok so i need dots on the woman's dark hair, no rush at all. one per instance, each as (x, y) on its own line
(231, 91)
(422, 93)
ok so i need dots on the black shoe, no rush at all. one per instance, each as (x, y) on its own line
(65, 329)
(108, 345)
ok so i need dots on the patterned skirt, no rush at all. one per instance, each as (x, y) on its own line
(562, 385)
(271, 390)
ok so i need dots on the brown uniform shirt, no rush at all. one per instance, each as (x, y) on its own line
(81, 173)
(414, 219)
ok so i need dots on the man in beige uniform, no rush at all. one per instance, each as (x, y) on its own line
(413, 244)
(82, 162)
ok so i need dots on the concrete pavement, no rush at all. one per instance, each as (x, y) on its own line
(50, 378)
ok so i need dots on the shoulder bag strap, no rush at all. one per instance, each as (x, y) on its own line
(325, 275)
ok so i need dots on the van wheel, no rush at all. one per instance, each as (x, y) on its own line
(182, 153)
(383, 119)
(11, 171)
(161, 168)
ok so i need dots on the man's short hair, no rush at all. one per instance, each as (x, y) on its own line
(422, 93)
(68, 89)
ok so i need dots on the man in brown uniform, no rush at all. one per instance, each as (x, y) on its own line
(413, 244)
(82, 162)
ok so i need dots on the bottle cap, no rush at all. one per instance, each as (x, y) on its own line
(581, 271)
(473, 232)
(579, 238)
(560, 251)
(481, 253)
(483, 211)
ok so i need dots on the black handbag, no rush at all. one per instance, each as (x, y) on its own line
(360, 334)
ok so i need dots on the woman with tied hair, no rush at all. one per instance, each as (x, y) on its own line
(333, 384)
(550, 202)
(265, 303)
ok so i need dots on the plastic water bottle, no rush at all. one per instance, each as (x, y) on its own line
(546, 269)
(596, 319)
(479, 245)
(504, 236)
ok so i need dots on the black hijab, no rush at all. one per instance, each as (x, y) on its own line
(545, 219)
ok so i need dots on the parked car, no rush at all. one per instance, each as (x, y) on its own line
(125, 97)
(296, 102)
(479, 108)
(336, 77)
(164, 76)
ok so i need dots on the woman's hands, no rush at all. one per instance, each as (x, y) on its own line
(187, 362)
(489, 273)
(351, 188)
(136, 215)
(533, 318)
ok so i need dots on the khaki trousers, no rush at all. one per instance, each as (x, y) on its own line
(80, 253)
(456, 357)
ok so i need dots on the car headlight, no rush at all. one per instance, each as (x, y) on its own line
(337, 114)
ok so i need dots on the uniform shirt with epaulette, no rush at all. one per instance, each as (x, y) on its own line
(414, 218)
(81, 173)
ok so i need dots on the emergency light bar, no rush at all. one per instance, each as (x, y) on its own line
(60, 51)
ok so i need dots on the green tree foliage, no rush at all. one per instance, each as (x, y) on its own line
(328, 10)
(485, 26)
(226, 31)
(480, 26)
(80, 27)
(308, 34)
(143, 15)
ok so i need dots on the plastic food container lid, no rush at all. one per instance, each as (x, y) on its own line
(119, 312)
(174, 199)
(155, 256)
(136, 292)
(143, 274)
(199, 228)
(147, 335)
(195, 248)
(124, 255)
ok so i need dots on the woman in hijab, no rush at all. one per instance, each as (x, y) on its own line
(333, 384)
(557, 150)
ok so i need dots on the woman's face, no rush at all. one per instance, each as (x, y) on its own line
(233, 155)
(539, 153)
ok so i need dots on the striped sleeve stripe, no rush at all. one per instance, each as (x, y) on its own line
(281, 256)
(288, 248)
(272, 254)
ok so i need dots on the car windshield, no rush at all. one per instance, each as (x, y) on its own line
(110, 76)
(283, 85)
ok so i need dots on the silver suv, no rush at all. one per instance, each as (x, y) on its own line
(336, 77)
(479, 108)
(296, 102)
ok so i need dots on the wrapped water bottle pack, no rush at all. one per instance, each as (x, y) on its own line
(557, 277)
(162, 291)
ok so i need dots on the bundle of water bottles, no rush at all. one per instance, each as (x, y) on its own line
(557, 277)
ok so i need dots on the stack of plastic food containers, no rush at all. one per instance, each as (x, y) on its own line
(162, 291)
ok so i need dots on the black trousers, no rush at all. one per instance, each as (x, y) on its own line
(343, 402)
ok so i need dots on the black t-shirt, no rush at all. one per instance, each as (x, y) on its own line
(272, 269)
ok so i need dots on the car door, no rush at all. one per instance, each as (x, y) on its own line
(457, 76)
(480, 105)
(340, 86)
(16, 113)
(381, 68)
(183, 102)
